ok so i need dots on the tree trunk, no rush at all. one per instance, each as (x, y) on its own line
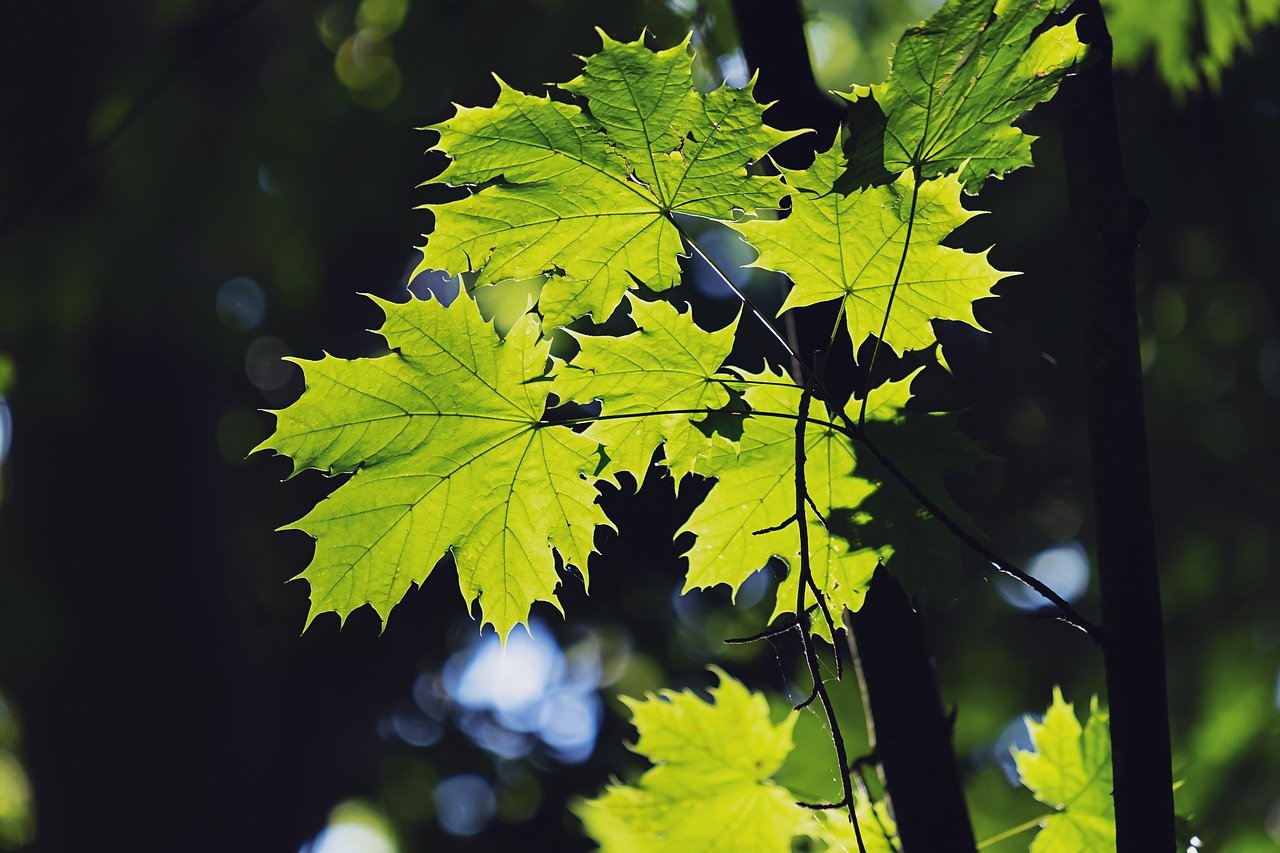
(1104, 226)
(910, 733)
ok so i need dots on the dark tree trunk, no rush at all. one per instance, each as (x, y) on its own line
(1104, 226)
(910, 732)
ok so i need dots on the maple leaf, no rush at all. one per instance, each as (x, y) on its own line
(588, 195)
(756, 490)
(849, 247)
(959, 80)
(1070, 769)
(449, 452)
(710, 788)
(668, 364)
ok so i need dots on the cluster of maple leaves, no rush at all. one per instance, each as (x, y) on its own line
(456, 440)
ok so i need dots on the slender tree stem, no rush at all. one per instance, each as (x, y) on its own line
(1012, 831)
(909, 731)
(1104, 225)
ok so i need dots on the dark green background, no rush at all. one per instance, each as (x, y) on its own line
(149, 644)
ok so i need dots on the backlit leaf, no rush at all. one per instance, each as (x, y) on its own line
(445, 438)
(667, 365)
(755, 490)
(586, 195)
(1070, 770)
(710, 786)
(960, 80)
(848, 247)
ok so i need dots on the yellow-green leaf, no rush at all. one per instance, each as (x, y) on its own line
(445, 437)
(586, 195)
(1070, 770)
(710, 788)
(668, 364)
(848, 247)
(755, 490)
(959, 81)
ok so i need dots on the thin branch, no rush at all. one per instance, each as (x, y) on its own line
(831, 624)
(857, 769)
(804, 581)
(1067, 614)
(767, 634)
(589, 419)
(818, 807)
(746, 300)
(775, 528)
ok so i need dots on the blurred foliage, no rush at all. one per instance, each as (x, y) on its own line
(146, 626)
(1192, 42)
(17, 822)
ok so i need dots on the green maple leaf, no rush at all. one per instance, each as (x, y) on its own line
(849, 246)
(449, 452)
(587, 196)
(755, 490)
(959, 81)
(668, 364)
(710, 788)
(1070, 770)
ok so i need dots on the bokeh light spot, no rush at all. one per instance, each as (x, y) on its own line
(1014, 736)
(264, 364)
(354, 827)
(464, 804)
(241, 304)
(1063, 568)
(530, 691)
(6, 428)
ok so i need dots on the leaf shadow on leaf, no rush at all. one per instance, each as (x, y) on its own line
(864, 147)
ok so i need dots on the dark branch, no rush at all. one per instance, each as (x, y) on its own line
(768, 633)
(804, 582)
(854, 432)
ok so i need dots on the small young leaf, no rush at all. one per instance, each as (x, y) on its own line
(711, 787)
(1070, 770)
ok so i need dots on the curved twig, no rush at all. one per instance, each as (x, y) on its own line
(804, 581)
